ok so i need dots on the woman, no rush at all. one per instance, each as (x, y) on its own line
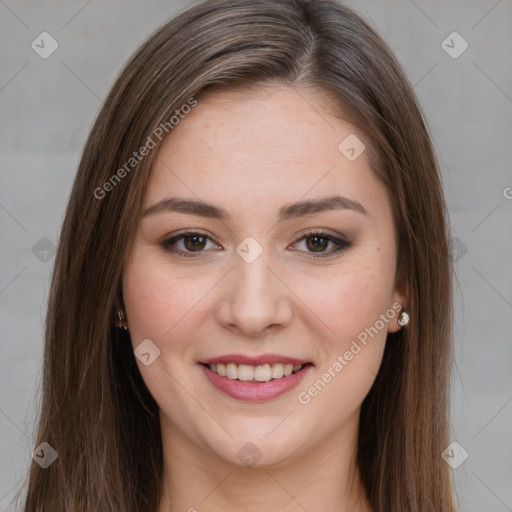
(251, 302)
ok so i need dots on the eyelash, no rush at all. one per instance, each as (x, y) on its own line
(340, 242)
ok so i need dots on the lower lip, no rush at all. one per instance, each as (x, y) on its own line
(255, 391)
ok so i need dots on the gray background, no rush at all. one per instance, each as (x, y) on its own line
(47, 107)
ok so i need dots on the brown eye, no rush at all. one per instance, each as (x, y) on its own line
(194, 242)
(317, 243)
(189, 243)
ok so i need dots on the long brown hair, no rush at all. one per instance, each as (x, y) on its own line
(96, 411)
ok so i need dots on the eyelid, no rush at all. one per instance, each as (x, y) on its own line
(340, 241)
(321, 232)
(175, 237)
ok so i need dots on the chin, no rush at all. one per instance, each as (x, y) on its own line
(257, 447)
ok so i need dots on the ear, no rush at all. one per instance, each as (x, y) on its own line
(399, 300)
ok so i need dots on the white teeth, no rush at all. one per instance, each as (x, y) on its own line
(277, 370)
(245, 372)
(260, 373)
(231, 371)
(263, 373)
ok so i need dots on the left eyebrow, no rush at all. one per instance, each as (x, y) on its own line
(303, 208)
(299, 209)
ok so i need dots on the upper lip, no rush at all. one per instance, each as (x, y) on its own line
(254, 360)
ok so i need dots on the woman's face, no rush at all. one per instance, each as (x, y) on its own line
(249, 174)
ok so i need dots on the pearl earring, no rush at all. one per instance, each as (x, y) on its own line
(403, 318)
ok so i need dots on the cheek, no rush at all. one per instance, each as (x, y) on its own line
(160, 301)
(350, 300)
(351, 343)
(164, 302)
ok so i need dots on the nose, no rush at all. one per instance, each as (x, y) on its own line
(254, 299)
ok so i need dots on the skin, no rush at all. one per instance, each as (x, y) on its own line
(252, 153)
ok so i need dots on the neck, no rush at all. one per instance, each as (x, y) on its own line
(324, 478)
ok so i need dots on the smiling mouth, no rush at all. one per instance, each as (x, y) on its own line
(260, 373)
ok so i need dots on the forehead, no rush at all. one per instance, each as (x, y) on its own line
(264, 146)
